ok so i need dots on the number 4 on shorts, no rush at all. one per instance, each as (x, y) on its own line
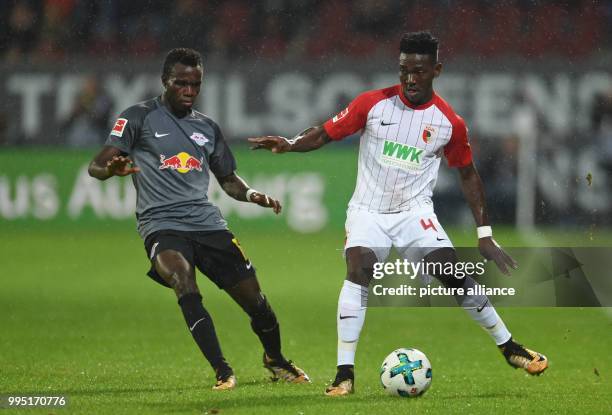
(428, 225)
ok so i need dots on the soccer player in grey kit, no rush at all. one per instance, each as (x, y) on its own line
(168, 148)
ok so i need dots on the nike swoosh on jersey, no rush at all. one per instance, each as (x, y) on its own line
(440, 239)
(249, 265)
(343, 317)
(387, 123)
(157, 135)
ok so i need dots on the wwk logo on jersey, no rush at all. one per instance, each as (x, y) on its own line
(119, 127)
(401, 155)
(428, 133)
(181, 162)
(199, 138)
(341, 115)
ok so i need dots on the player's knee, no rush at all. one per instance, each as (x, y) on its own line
(183, 283)
(442, 255)
(360, 265)
(438, 260)
(262, 316)
(450, 281)
(360, 276)
(177, 273)
(181, 280)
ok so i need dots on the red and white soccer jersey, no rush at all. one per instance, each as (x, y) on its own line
(400, 147)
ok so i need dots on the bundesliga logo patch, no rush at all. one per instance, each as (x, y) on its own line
(119, 127)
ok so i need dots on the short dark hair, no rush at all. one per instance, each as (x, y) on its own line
(423, 43)
(186, 56)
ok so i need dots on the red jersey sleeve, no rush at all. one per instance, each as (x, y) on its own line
(458, 151)
(351, 119)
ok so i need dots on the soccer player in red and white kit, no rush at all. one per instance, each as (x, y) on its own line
(405, 130)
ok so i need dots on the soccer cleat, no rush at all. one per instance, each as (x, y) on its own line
(518, 356)
(225, 380)
(341, 389)
(285, 370)
(343, 384)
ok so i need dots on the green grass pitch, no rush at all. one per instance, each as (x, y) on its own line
(79, 318)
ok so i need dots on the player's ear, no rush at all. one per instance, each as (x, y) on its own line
(164, 80)
(437, 69)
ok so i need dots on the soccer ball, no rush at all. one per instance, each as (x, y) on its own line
(406, 372)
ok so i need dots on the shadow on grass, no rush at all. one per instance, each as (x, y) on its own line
(305, 400)
(101, 391)
(488, 395)
(285, 403)
(125, 390)
(129, 390)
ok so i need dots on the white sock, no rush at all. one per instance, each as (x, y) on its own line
(352, 306)
(491, 322)
(482, 311)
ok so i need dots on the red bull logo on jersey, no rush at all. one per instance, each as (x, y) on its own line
(428, 133)
(181, 162)
(401, 155)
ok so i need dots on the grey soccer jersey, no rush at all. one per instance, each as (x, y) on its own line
(174, 156)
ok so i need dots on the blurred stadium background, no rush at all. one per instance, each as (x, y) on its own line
(533, 79)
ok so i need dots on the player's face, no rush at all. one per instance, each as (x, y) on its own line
(417, 73)
(183, 87)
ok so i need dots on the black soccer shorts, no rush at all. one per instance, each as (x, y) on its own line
(217, 254)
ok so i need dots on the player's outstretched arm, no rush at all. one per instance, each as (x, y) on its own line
(109, 162)
(473, 191)
(236, 187)
(310, 139)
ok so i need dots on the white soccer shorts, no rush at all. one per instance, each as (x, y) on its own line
(414, 233)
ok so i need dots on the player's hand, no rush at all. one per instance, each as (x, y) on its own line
(121, 166)
(274, 143)
(493, 252)
(266, 201)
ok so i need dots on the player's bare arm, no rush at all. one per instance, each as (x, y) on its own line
(310, 139)
(236, 187)
(109, 162)
(473, 190)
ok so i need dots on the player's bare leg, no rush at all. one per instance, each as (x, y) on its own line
(180, 275)
(248, 295)
(481, 310)
(352, 306)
